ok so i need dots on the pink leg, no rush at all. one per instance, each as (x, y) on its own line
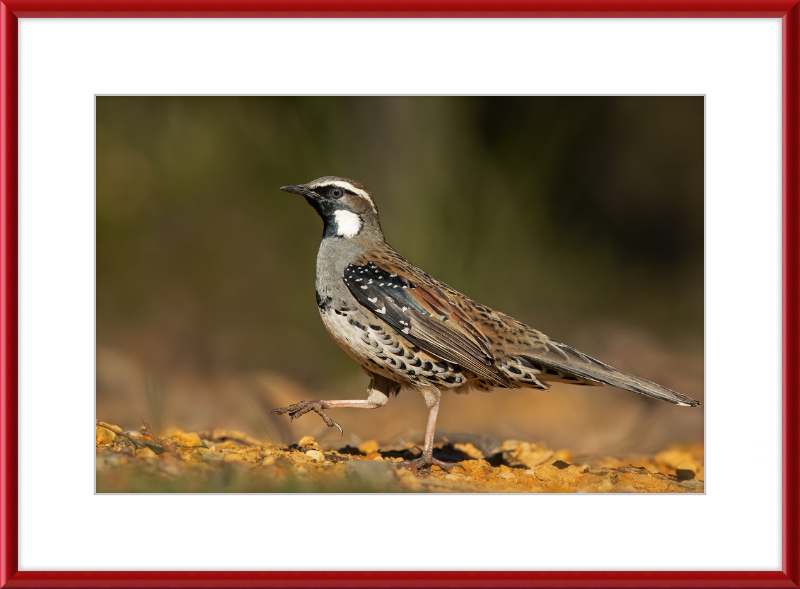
(303, 407)
(427, 458)
(430, 429)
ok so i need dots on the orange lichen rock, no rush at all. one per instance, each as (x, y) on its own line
(126, 464)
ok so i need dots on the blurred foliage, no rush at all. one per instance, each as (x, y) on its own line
(556, 210)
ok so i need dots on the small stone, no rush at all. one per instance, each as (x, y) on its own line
(686, 471)
(563, 455)
(234, 457)
(308, 442)
(188, 440)
(505, 475)
(673, 458)
(104, 436)
(208, 455)
(374, 456)
(517, 453)
(474, 465)
(268, 461)
(561, 476)
(315, 455)
(145, 453)
(470, 451)
(369, 447)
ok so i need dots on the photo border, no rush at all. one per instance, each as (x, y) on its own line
(12, 10)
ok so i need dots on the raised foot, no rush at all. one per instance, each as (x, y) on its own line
(303, 407)
(426, 461)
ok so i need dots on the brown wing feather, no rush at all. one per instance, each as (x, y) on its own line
(416, 304)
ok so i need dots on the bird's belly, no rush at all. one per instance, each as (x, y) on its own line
(382, 351)
(349, 336)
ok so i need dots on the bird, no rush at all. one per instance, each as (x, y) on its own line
(409, 330)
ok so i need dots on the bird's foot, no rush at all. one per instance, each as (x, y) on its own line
(426, 461)
(303, 407)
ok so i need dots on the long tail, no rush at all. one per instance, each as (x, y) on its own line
(569, 360)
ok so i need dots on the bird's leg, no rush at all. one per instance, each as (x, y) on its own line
(377, 398)
(303, 407)
(427, 458)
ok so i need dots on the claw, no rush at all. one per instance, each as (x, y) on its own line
(425, 462)
(299, 409)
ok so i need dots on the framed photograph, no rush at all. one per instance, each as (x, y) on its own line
(116, 133)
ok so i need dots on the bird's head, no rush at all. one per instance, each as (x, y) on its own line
(346, 207)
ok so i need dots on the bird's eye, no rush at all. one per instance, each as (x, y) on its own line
(336, 192)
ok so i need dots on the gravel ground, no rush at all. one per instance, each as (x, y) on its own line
(226, 461)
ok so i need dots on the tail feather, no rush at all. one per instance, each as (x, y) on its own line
(567, 359)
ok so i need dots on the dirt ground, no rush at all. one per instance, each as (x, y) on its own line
(230, 461)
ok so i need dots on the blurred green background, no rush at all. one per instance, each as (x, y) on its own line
(581, 216)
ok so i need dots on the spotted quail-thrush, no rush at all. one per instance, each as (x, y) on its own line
(410, 330)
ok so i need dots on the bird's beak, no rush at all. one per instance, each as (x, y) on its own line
(297, 189)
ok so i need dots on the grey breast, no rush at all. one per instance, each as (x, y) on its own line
(333, 257)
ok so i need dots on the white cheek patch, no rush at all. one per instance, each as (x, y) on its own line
(347, 224)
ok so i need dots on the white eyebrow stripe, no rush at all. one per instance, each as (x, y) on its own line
(347, 186)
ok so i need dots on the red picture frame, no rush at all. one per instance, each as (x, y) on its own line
(11, 10)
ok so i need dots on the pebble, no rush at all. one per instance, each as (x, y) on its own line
(524, 453)
(145, 453)
(104, 436)
(686, 471)
(208, 455)
(474, 465)
(268, 461)
(308, 442)
(374, 456)
(470, 451)
(369, 447)
(188, 440)
(315, 455)
(673, 458)
(234, 457)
